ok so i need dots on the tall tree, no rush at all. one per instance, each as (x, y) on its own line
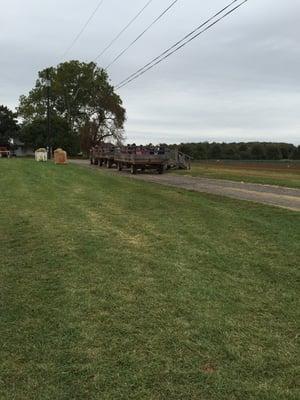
(80, 93)
(8, 125)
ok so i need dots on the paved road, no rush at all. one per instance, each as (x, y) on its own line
(273, 195)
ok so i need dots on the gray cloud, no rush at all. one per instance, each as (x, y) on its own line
(238, 81)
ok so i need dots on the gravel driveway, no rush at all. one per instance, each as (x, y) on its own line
(273, 195)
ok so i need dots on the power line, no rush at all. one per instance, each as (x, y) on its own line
(142, 34)
(123, 30)
(179, 45)
(83, 28)
(180, 41)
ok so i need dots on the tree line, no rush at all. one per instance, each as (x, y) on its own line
(34, 134)
(240, 151)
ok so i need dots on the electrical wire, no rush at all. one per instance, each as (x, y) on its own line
(179, 45)
(123, 30)
(180, 41)
(141, 34)
(83, 28)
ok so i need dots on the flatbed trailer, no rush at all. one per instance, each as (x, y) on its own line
(135, 162)
(138, 158)
(103, 155)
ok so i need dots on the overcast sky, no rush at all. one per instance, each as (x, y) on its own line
(240, 81)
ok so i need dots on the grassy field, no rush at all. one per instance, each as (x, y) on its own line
(270, 173)
(113, 289)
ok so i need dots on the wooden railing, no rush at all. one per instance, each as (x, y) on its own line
(180, 160)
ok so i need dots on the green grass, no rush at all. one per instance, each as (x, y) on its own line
(253, 172)
(112, 288)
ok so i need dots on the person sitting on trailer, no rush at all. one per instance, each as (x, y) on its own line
(161, 150)
(151, 149)
(143, 150)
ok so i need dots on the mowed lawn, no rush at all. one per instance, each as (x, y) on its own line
(113, 288)
(267, 173)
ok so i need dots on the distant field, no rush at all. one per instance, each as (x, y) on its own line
(272, 173)
(113, 288)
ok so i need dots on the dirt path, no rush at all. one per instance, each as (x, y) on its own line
(273, 195)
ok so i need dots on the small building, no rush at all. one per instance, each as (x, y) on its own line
(60, 156)
(21, 150)
(41, 155)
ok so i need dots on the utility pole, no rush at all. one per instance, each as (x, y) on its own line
(48, 84)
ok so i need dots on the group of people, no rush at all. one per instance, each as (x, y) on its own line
(140, 150)
(104, 147)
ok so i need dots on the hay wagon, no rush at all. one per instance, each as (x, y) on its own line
(142, 158)
(103, 154)
(138, 158)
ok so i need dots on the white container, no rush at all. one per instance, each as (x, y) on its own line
(41, 155)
